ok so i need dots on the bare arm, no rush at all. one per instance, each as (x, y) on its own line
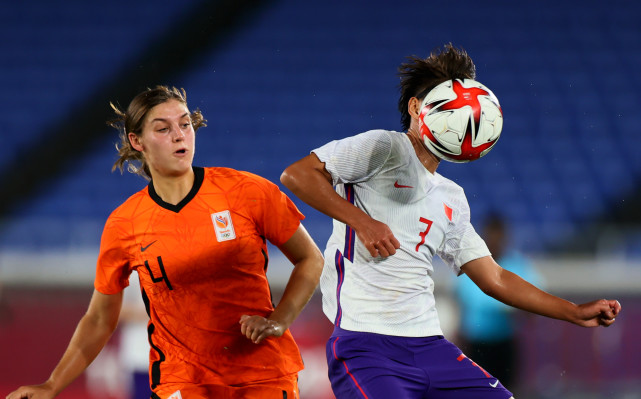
(512, 290)
(307, 259)
(309, 180)
(91, 335)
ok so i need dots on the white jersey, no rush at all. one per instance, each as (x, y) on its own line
(379, 172)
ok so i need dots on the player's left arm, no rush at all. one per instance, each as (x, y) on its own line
(307, 259)
(512, 290)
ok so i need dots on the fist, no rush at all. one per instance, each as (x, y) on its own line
(257, 328)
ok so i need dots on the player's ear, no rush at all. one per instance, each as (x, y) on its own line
(134, 139)
(414, 107)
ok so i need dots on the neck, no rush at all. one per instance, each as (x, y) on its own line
(173, 189)
(429, 160)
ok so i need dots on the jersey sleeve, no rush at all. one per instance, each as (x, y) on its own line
(462, 243)
(355, 159)
(278, 217)
(112, 269)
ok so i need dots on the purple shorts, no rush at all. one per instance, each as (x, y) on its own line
(375, 366)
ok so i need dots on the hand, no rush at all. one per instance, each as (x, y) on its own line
(257, 328)
(601, 312)
(377, 238)
(42, 391)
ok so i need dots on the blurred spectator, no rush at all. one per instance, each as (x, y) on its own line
(134, 342)
(2, 308)
(121, 370)
(488, 330)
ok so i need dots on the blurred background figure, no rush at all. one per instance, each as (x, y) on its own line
(489, 329)
(134, 342)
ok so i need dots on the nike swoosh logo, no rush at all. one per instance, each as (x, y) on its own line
(400, 185)
(495, 384)
(143, 249)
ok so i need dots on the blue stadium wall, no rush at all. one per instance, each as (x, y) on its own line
(298, 74)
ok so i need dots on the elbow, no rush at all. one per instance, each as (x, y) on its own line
(107, 323)
(492, 288)
(319, 262)
(313, 265)
(291, 176)
(104, 321)
(99, 326)
(286, 178)
(316, 263)
(489, 277)
(487, 289)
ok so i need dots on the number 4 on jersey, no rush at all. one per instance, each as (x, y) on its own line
(424, 234)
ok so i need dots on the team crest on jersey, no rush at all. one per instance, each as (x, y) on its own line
(175, 395)
(223, 226)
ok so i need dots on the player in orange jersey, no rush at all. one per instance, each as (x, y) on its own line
(198, 239)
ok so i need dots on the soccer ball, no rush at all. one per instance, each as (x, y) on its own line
(460, 120)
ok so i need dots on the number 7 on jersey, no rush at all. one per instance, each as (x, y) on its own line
(424, 234)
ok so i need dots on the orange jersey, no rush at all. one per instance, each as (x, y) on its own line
(202, 264)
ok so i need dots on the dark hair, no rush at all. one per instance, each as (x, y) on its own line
(419, 76)
(132, 121)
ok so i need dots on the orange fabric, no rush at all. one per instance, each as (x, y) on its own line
(283, 387)
(199, 273)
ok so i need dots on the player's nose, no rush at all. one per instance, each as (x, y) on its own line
(178, 134)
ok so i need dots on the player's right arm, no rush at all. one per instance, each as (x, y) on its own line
(310, 181)
(91, 335)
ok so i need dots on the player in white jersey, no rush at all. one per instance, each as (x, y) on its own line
(393, 295)
(392, 213)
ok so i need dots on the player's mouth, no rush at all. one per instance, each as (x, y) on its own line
(181, 152)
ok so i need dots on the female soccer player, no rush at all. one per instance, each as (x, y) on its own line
(197, 238)
(392, 213)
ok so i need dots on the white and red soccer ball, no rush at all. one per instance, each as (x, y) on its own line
(460, 120)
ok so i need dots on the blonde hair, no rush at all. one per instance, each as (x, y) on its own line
(133, 119)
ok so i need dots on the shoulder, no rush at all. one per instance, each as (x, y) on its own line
(370, 136)
(453, 194)
(218, 173)
(381, 135)
(233, 179)
(453, 188)
(131, 206)
(120, 222)
(372, 143)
